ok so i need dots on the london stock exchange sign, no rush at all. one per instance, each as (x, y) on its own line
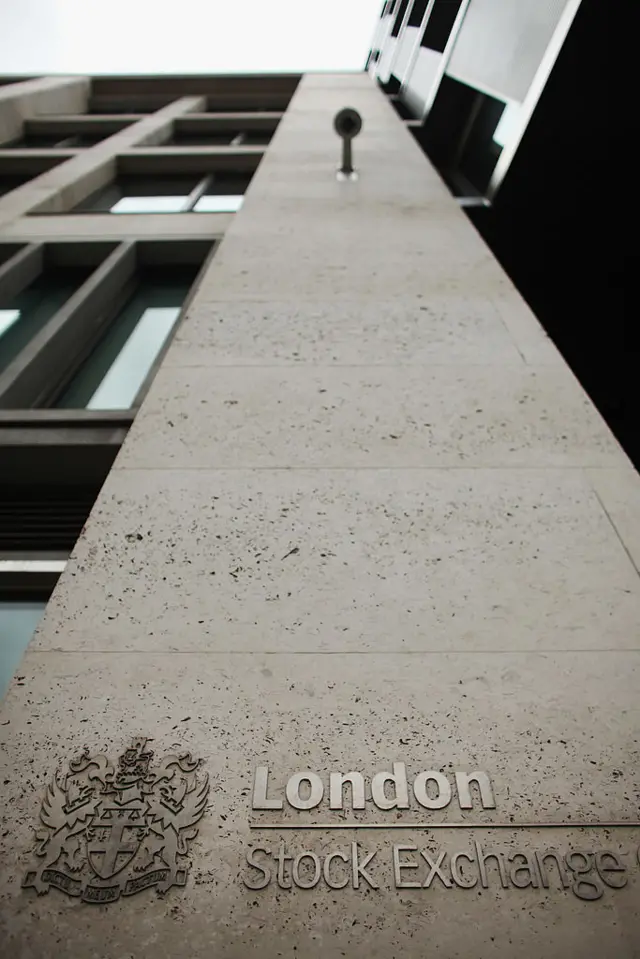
(359, 808)
(114, 830)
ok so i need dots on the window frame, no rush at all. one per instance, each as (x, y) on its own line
(43, 368)
(199, 165)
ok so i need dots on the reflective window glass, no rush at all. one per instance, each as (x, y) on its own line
(142, 194)
(149, 204)
(219, 203)
(508, 124)
(113, 374)
(25, 314)
(18, 622)
(440, 24)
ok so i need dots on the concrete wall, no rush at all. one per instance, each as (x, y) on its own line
(41, 97)
(366, 515)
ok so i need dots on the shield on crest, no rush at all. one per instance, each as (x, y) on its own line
(114, 837)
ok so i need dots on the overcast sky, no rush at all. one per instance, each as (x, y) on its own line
(184, 36)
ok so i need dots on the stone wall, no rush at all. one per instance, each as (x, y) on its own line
(365, 516)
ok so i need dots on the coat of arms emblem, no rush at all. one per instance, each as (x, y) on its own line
(111, 831)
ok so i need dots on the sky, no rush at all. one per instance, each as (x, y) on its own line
(185, 36)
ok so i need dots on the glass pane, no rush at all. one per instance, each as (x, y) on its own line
(142, 194)
(26, 314)
(149, 204)
(7, 319)
(113, 374)
(18, 622)
(508, 124)
(127, 374)
(217, 203)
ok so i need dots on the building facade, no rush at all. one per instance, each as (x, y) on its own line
(344, 660)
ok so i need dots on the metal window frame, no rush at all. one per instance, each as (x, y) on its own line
(399, 37)
(534, 93)
(46, 364)
(202, 163)
(79, 446)
(445, 57)
(413, 56)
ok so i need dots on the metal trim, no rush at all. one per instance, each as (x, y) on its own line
(533, 95)
(398, 39)
(416, 48)
(444, 59)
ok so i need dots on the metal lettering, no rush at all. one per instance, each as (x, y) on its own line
(482, 858)
(316, 790)
(463, 785)
(282, 859)
(541, 859)
(399, 866)
(584, 884)
(523, 875)
(435, 870)
(266, 874)
(465, 883)
(100, 894)
(614, 882)
(337, 781)
(399, 779)
(143, 882)
(444, 790)
(260, 786)
(315, 879)
(326, 870)
(358, 868)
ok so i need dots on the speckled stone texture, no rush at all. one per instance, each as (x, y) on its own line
(366, 515)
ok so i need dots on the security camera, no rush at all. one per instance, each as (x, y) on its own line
(347, 124)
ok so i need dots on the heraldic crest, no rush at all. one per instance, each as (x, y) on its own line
(110, 831)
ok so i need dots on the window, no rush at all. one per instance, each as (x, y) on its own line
(418, 11)
(15, 171)
(467, 129)
(137, 105)
(402, 9)
(149, 204)
(203, 139)
(440, 24)
(63, 133)
(219, 203)
(214, 193)
(113, 374)
(142, 194)
(55, 141)
(509, 124)
(18, 622)
(22, 316)
(92, 345)
(229, 138)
